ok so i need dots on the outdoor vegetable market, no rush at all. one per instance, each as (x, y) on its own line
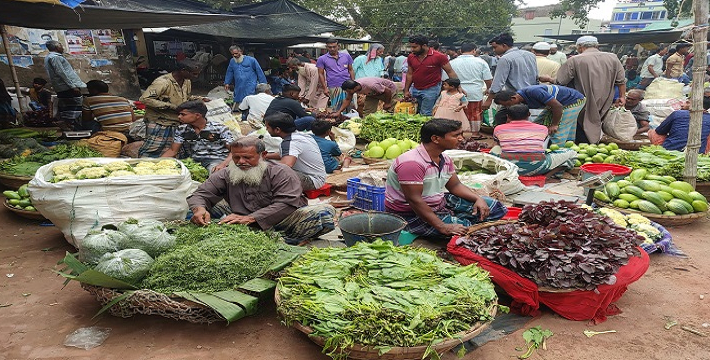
(436, 202)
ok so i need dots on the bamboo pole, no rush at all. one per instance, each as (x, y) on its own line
(11, 63)
(700, 33)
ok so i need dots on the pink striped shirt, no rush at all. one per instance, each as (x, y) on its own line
(521, 136)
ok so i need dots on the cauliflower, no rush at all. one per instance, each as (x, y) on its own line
(62, 169)
(91, 173)
(619, 218)
(637, 219)
(122, 173)
(167, 164)
(63, 177)
(647, 230)
(117, 165)
(146, 165)
(167, 172)
(144, 171)
(76, 166)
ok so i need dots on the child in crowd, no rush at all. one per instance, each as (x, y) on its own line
(39, 95)
(277, 80)
(451, 103)
(333, 158)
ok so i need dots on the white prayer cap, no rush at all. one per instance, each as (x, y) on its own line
(553, 46)
(587, 39)
(543, 46)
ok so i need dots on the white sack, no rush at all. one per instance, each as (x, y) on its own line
(78, 206)
(505, 178)
(344, 138)
(620, 124)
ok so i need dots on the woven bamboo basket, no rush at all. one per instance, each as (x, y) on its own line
(397, 353)
(32, 215)
(148, 302)
(703, 188)
(13, 182)
(370, 160)
(665, 220)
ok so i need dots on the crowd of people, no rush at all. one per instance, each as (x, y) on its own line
(571, 95)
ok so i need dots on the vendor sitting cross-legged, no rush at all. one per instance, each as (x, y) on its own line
(260, 193)
(418, 180)
(523, 143)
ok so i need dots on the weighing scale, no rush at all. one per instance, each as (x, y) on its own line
(595, 182)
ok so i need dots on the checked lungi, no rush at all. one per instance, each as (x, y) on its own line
(567, 129)
(308, 222)
(532, 164)
(158, 138)
(69, 108)
(455, 211)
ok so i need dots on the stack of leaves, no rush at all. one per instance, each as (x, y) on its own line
(212, 258)
(197, 171)
(559, 245)
(379, 295)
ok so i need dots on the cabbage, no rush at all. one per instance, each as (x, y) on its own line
(129, 265)
(96, 244)
(150, 236)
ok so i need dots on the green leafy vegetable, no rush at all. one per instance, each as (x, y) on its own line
(535, 338)
(380, 126)
(197, 171)
(379, 295)
(28, 165)
(659, 161)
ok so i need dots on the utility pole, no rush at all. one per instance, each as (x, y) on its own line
(11, 64)
(700, 33)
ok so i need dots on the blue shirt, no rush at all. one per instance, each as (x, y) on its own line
(676, 127)
(61, 73)
(537, 96)
(328, 150)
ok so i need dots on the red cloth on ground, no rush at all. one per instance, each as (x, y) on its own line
(575, 305)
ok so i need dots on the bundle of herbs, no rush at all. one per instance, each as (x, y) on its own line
(212, 258)
(559, 245)
(379, 295)
(380, 126)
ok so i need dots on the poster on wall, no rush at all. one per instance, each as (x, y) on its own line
(26, 41)
(160, 47)
(175, 48)
(189, 48)
(80, 42)
(23, 61)
(110, 37)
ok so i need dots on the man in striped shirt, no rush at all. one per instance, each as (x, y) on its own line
(102, 111)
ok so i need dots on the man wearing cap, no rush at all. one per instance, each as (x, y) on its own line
(594, 74)
(545, 66)
(556, 56)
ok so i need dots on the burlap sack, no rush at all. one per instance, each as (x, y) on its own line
(109, 143)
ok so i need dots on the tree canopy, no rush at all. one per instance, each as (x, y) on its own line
(391, 21)
(579, 9)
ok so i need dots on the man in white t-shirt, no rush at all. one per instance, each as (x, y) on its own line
(652, 68)
(298, 151)
(253, 107)
(474, 74)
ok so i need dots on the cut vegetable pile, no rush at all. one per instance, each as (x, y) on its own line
(87, 169)
(28, 165)
(380, 126)
(379, 295)
(559, 245)
(653, 194)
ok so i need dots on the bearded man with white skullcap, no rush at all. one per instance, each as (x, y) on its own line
(593, 73)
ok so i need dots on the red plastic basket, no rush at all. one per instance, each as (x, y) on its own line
(532, 180)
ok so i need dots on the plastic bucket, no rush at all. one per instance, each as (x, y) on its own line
(371, 225)
(618, 171)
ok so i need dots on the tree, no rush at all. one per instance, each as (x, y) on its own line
(391, 21)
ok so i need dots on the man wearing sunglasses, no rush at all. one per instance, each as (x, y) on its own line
(204, 141)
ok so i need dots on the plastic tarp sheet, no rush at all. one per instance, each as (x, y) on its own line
(76, 207)
(575, 305)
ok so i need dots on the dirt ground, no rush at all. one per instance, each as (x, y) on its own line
(41, 314)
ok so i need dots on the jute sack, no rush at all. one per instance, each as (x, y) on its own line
(109, 143)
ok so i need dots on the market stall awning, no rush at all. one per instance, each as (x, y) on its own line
(278, 19)
(638, 37)
(44, 15)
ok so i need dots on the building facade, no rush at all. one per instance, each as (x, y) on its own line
(533, 21)
(634, 15)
